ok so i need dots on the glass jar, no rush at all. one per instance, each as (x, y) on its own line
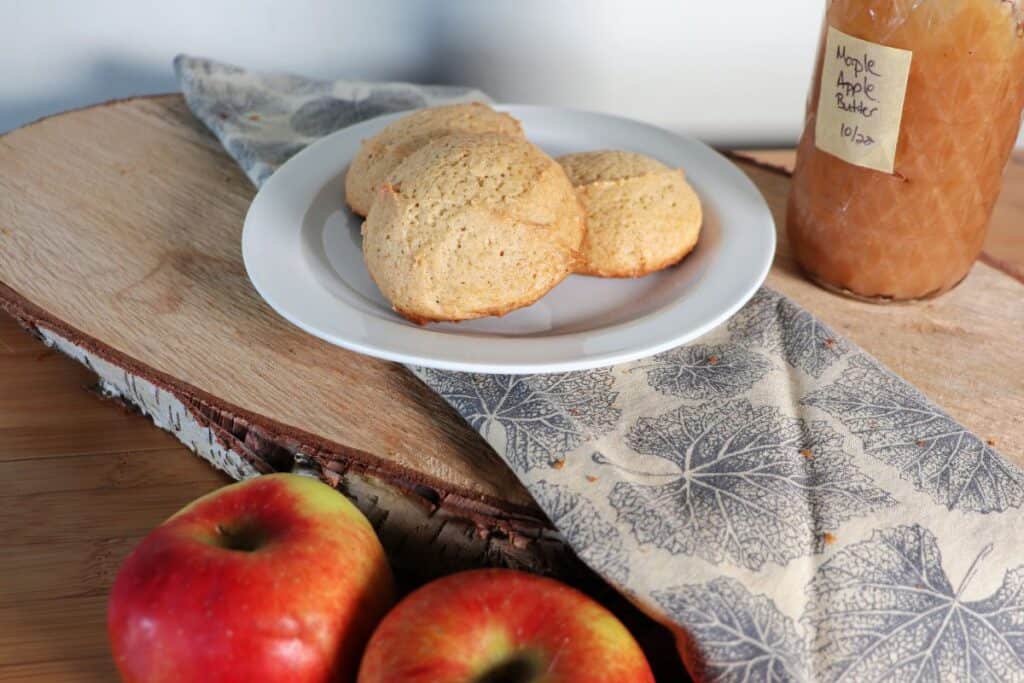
(918, 103)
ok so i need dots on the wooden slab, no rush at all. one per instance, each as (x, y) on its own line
(124, 223)
(121, 223)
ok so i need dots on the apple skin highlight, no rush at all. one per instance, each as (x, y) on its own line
(499, 624)
(278, 578)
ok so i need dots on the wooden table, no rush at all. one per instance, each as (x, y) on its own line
(85, 479)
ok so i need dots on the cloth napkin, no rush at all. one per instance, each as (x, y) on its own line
(795, 509)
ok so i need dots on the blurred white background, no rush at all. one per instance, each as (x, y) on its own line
(732, 73)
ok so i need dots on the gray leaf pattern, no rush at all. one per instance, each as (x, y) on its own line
(250, 151)
(884, 609)
(752, 486)
(901, 427)
(578, 519)
(736, 637)
(773, 321)
(290, 84)
(535, 420)
(263, 119)
(702, 371)
(238, 108)
(325, 115)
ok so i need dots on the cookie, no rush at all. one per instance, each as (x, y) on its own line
(382, 153)
(470, 226)
(642, 216)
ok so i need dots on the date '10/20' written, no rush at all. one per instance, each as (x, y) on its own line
(855, 135)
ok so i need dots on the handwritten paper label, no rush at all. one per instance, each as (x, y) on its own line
(861, 103)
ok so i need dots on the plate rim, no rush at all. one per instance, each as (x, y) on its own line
(763, 260)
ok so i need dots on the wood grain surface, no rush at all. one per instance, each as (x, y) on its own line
(85, 479)
(142, 254)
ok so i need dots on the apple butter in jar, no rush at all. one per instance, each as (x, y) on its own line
(913, 113)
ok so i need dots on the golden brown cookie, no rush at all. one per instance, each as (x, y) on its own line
(470, 226)
(382, 153)
(642, 216)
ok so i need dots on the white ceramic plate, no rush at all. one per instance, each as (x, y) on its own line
(301, 247)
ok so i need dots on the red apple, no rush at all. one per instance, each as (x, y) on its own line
(501, 625)
(278, 578)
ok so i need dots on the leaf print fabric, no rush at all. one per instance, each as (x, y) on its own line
(880, 610)
(884, 609)
(577, 517)
(901, 427)
(737, 636)
(751, 485)
(235, 106)
(534, 421)
(772, 321)
(258, 152)
(701, 371)
(264, 119)
(327, 114)
(770, 491)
